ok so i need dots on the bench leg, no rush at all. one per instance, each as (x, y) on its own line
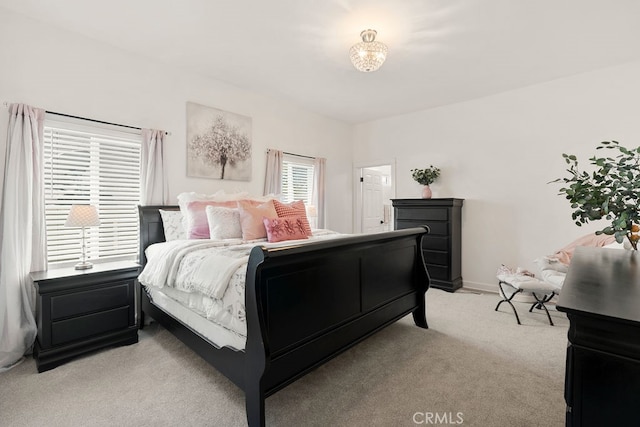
(508, 300)
(540, 304)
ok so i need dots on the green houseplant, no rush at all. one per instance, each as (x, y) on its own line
(611, 191)
(426, 177)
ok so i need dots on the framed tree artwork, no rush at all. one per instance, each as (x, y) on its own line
(218, 144)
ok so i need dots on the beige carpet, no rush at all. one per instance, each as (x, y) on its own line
(473, 365)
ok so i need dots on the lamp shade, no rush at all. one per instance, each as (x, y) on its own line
(82, 216)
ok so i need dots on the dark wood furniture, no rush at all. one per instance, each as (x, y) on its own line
(442, 247)
(306, 304)
(83, 310)
(601, 296)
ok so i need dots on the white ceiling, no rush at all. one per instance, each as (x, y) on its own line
(440, 51)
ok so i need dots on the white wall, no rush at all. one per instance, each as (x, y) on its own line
(499, 152)
(59, 71)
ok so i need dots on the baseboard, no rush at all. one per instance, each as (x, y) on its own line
(486, 288)
(480, 287)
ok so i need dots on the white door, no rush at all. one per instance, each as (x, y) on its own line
(373, 203)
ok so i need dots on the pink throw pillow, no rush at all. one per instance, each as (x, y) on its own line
(251, 216)
(296, 209)
(565, 254)
(196, 224)
(285, 228)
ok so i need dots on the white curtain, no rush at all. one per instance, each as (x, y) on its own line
(22, 232)
(153, 181)
(273, 175)
(317, 195)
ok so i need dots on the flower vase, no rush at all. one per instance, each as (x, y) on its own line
(426, 192)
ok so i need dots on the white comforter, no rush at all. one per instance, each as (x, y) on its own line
(208, 276)
(202, 266)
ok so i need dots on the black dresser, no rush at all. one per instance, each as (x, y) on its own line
(442, 246)
(601, 296)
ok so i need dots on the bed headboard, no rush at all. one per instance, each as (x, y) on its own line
(151, 229)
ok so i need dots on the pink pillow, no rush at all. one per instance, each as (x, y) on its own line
(296, 209)
(285, 228)
(251, 216)
(565, 254)
(196, 224)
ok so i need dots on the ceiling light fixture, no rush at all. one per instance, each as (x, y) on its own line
(368, 55)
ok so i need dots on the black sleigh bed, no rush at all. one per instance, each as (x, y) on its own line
(305, 304)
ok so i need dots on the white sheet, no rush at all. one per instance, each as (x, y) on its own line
(213, 332)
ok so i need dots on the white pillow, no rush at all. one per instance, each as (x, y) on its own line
(220, 196)
(172, 224)
(224, 223)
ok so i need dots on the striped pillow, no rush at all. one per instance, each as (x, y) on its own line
(296, 209)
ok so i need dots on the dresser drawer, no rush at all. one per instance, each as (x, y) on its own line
(65, 331)
(438, 272)
(438, 243)
(91, 300)
(435, 227)
(438, 214)
(436, 257)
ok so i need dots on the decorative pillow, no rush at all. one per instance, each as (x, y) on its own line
(296, 209)
(172, 224)
(196, 224)
(285, 228)
(251, 216)
(224, 223)
(565, 254)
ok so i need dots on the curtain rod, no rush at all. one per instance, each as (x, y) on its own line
(298, 155)
(97, 121)
(6, 105)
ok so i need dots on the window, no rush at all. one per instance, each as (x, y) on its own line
(89, 164)
(297, 179)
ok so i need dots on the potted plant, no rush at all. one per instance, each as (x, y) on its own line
(611, 191)
(426, 177)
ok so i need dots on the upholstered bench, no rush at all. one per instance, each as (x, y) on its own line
(541, 291)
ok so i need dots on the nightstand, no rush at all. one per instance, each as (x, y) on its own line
(83, 310)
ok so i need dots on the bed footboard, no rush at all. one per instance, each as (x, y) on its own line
(307, 304)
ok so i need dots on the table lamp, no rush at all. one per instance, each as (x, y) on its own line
(83, 216)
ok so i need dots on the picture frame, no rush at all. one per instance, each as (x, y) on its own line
(218, 144)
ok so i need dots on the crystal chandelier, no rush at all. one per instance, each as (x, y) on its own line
(368, 55)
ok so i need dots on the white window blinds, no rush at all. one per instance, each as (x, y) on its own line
(87, 164)
(297, 179)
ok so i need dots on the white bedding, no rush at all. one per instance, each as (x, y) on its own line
(208, 277)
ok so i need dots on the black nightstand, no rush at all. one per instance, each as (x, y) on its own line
(84, 310)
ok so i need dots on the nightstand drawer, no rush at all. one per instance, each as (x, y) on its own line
(90, 301)
(77, 328)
